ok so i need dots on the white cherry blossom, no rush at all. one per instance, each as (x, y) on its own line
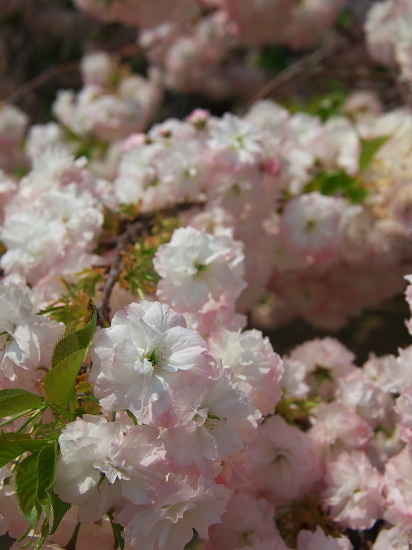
(139, 357)
(196, 266)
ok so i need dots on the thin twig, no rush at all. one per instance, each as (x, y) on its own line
(402, 89)
(305, 63)
(116, 266)
(52, 72)
(31, 85)
(346, 73)
(140, 226)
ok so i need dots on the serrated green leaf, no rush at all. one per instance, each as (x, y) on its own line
(59, 510)
(117, 532)
(67, 359)
(59, 382)
(13, 445)
(74, 341)
(47, 468)
(26, 489)
(44, 531)
(16, 400)
(369, 148)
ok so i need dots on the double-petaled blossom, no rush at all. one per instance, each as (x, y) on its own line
(257, 368)
(105, 463)
(283, 461)
(196, 267)
(247, 522)
(182, 504)
(353, 493)
(26, 339)
(213, 420)
(141, 356)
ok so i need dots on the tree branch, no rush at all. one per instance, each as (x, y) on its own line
(140, 226)
(304, 64)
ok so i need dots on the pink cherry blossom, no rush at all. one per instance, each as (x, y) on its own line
(196, 266)
(182, 504)
(138, 358)
(353, 493)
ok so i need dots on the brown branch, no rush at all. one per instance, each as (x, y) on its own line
(304, 64)
(53, 72)
(41, 79)
(347, 73)
(103, 307)
(402, 88)
(140, 226)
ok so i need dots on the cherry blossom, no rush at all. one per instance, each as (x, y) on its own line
(196, 266)
(139, 358)
(26, 339)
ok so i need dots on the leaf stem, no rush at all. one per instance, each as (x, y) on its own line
(18, 416)
(24, 426)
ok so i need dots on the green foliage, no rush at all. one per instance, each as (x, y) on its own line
(338, 182)
(13, 445)
(138, 274)
(369, 149)
(88, 147)
(323, 106)
(273, 58)
(67, 359)
(296, 411)
(86, 400)
(73, 307)
(27, 486)
(129, 212)
(16, 400)
(117, 532)
(59, 510)
(345, 18)
(132, 416)
(46, 471)
(34, 480)
(74, 341)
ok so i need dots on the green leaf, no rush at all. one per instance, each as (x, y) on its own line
(13, 445)
(369, 149)
(47, 468)
(273, 58)
(26, 489)
(16, 400)
(338, 182)
(74, 341)
(117, 532)
(59, 510)
(43, 534)
(323, 106)
(67, 359)
(345, 18)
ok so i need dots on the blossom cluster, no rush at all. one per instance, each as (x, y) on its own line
(312, 211)
(175, 421)
(191, 42)
(387, 35)
(221, 435)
